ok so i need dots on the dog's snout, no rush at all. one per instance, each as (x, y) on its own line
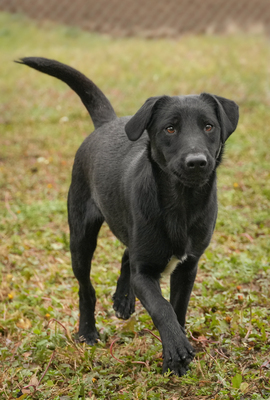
(196, 161)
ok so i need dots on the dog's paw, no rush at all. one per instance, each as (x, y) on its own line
(124, 305)
(90, 338)
(177, 354)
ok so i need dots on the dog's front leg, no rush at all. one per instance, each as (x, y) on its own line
(182, 281)
(177, 351)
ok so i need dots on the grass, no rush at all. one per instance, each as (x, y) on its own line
(42, 124)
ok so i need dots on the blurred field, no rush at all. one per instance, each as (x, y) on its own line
(42, 123)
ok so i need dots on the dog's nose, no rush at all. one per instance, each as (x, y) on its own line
(196, 162)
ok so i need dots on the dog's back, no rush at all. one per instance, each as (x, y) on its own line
(107, 161)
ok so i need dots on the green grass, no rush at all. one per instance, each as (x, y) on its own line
(228, 318)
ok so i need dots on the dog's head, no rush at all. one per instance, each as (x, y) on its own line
(187, 133)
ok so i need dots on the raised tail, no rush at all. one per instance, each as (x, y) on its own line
(96, 103)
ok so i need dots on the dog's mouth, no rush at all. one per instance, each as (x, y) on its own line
(191, 182)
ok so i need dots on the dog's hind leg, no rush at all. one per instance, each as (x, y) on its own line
(124, 298)
(85, 221)
(182, 280)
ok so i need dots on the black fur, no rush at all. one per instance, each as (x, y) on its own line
(156, 189)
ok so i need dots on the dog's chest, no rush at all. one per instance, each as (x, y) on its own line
(172, 264)
(177, 231)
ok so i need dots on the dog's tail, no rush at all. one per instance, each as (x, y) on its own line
(96, 103)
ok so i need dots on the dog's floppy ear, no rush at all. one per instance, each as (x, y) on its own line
(227, 111)
(139, 122)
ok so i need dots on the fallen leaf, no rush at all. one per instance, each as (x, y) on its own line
(33, 384)
(27, 354)
(236, 381)
(57, 246)
(266, 364)
(23, 396)
(129, 326)
(24, 323)
(244, 386)
(240, 298)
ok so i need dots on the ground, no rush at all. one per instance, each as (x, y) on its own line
(42, 123)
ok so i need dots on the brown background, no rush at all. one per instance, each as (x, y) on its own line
(150, 18)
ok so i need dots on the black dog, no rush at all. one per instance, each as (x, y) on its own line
(152, 178)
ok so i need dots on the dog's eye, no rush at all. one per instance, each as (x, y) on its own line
(208, 127)
(170, 129)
